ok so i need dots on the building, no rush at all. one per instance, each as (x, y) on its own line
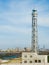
(33, 56)
(30, 57)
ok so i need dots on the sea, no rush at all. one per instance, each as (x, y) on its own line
(5, 56)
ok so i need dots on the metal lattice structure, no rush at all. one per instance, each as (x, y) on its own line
(34, 31)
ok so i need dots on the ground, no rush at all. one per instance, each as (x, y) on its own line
(15, 60)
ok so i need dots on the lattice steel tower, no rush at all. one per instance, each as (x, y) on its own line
(34, 32)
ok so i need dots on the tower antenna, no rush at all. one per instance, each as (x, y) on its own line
(34, 31)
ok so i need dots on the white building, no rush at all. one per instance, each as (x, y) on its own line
(33, 57)
(30, 57)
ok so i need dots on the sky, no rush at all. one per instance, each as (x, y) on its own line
(16, 23)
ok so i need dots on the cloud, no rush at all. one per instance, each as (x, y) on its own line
(16, 18)
(11, 29)
(43, 21)
(18, 14)
(43, 37)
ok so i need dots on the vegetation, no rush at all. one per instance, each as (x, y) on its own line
(48, 58)
(9, 56)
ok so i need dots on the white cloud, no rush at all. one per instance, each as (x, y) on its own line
(11, 29)
(20, 13)
(43, 21)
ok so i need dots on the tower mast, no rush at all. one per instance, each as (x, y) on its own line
(34, 32)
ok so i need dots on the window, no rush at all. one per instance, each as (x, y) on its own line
(30, 56)
(35, 61)
(25, 61)
(39, 61)
(25, 56)
(30, 61)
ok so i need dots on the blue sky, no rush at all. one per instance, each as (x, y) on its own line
(16, 21)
